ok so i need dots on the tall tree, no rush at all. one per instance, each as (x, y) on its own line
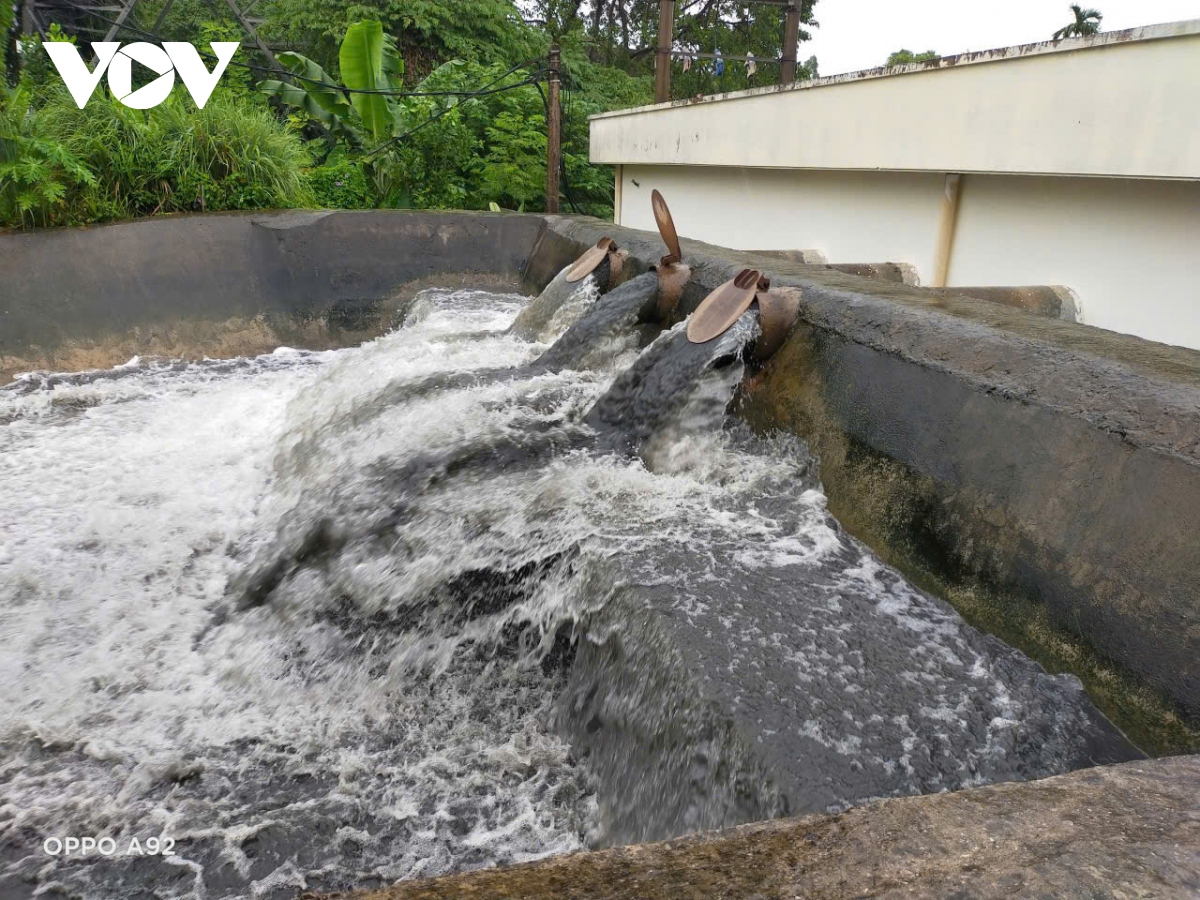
(1087, 21)
(624, 34)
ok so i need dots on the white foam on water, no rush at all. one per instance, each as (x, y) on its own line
(128, 714)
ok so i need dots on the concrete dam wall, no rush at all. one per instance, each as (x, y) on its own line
(235, 284)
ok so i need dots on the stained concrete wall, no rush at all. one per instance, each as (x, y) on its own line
(988, 446)
(230, 285)
(1120, 831)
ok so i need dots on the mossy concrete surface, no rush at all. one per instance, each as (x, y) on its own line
(1124, 831)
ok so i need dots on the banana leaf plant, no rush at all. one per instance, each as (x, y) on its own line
(369, 62)
(362, 109)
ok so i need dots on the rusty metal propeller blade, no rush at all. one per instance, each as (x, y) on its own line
(666, 225)
(588, 263)
(724, 306)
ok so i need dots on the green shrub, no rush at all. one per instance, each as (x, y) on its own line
(233, 154)
(36, 175)
(341, 183)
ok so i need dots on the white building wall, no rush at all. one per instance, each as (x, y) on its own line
(1129, 248)
(848, 216)
(1078, 164)
(1122, 104)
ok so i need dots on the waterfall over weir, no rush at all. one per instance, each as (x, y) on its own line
(499, 585)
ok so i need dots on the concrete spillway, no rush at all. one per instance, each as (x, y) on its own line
(511, 578)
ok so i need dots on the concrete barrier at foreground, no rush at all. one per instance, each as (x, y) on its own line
(1121, 831)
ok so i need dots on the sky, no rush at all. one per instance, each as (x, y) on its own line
(859, 34)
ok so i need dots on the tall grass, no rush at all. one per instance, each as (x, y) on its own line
(233, 154)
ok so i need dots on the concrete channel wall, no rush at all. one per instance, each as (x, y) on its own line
(229, 285)
(979, 444)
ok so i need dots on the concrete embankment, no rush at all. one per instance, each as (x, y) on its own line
(235, 284)
(1120, 831)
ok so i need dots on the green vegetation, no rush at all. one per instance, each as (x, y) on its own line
(904, 57)
(460, 121)
(61, 165)
(1087, 22)
(7, 15)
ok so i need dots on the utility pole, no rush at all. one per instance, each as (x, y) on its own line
(554, 131)
(791, 43)
(662, 62)
(29, 23)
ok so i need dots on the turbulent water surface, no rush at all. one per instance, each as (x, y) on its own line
(455, 598)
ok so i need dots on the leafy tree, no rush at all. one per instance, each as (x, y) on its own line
(1087, 22)
(623, 34)
(365, 110)
(386, 92)
(904, 57)
(426, 33)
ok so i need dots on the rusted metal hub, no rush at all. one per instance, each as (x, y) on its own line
(673, 275)
(605, 251)
(777, 311)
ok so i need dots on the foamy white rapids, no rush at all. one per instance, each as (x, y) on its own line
(130, 499)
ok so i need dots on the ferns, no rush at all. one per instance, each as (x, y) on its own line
(35, 174)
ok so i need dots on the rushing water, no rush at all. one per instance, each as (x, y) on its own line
(462, 596)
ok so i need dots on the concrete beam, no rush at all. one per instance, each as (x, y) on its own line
(1051, 301)
(804, 257)
(898, 273)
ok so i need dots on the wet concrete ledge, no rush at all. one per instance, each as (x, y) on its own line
(233, 284)
(1121, 831)
(986, 451)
